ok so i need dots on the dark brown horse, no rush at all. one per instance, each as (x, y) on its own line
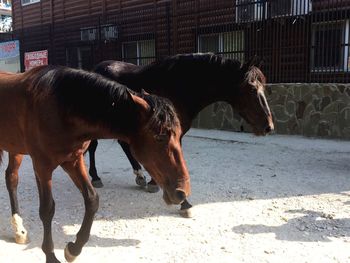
(52, 113)
(192, 82)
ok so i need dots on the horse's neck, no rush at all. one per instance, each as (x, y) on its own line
(190, 92)
(101, 129)
(108, 116)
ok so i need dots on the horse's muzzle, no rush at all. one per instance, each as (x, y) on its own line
(269, 128)
(264, 130)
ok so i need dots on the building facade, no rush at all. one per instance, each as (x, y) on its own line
(299, 40)
(5, 16)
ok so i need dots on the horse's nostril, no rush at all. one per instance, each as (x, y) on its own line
(268, 129)
(180, 195)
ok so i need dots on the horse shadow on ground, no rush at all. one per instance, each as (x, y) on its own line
(94, 241)
(35, 240)
(311, 226)
(36, 231)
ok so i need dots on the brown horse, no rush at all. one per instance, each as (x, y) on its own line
(52, 113)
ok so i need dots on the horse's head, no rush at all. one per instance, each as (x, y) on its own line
(250, 100)
(157, 145)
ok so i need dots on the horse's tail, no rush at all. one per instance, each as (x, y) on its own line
(1, 156)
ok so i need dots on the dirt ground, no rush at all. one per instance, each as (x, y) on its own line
(257, 199)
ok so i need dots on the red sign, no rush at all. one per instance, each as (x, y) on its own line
(35, 58)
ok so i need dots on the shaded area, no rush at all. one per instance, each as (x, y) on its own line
(312, 226)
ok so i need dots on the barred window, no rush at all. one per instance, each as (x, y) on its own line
(330, 46)
(79, 57)
(229, 44)
(28, 2)
(139, 52)
(250, 10)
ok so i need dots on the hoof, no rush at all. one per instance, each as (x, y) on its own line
(152, 188)
(140, 178)
(141, 181)
(21, 234)
(51, 258)
(69, 257)
(186, 213)
(21, 237)
(97, 183)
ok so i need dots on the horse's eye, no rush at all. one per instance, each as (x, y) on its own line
(161, 137)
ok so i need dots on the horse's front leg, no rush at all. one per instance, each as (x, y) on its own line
(78, 174)
(43, 176)
(140, 178)
(95, 179)
(11, 175)
(185, 210)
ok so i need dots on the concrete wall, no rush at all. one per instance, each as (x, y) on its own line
(317, 110)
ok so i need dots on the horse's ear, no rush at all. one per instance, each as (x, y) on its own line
(259, 62)
(143, 92)
(138, 100)
(255, 61)
(129, 94)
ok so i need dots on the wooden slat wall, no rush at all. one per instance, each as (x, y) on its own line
(58, 11)
(162, 31)
(16, 15)
(216, 12)
(135, 4)
(184, 26)
(45, 12)
(329, 4)
(31, 15)
(278, 40)
(77, 9)
(112, 5)
(96, 7)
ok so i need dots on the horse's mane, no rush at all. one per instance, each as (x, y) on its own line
(253, 74)
(97, 98)
(195, 68)
(164, 117)
(209, 59)
(203, 67)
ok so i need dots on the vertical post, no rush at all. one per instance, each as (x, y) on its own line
(175, 27)
(51, 56)
(99, 45)
(168, 26)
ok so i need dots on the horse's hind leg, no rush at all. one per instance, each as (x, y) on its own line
(140, 178)
(78, 174)
(152, 186)
(95, 179)
(43, 176)
(11, 175)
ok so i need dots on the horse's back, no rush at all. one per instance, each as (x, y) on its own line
(16, 109)
(115, 70)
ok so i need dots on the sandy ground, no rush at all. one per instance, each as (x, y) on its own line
(272, 199)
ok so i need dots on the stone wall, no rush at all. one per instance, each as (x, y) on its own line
(317, 110)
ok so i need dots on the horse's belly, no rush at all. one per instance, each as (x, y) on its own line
(11, 138)
(13, 144)
(11, 128)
